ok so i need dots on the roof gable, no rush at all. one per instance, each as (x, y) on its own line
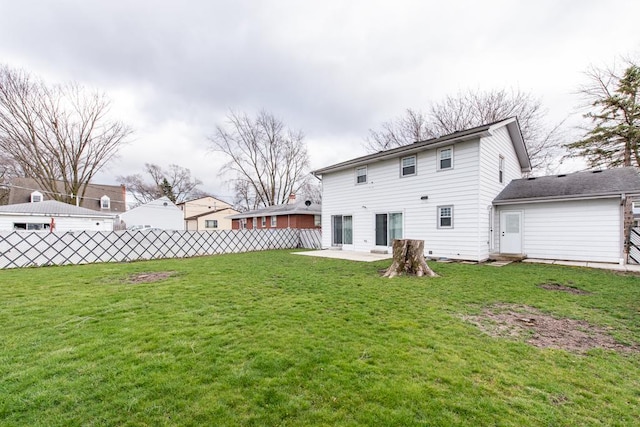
(585, 184)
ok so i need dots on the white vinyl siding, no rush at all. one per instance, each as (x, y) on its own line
(581, 230)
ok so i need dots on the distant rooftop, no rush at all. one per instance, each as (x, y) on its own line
(52, 208)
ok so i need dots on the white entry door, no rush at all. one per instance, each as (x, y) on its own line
(511, 232)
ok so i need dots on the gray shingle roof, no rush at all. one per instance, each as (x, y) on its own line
(51, 208)
(574, 185)
(298, 208)
(21, 189)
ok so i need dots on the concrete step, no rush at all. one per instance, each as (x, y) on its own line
(507, 257)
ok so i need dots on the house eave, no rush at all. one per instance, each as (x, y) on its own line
(400, 151)
(616, 195)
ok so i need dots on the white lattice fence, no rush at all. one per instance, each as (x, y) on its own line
(27, 249)
(634, 246)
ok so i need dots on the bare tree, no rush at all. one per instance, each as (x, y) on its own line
(470, 109)
(613, 100)
(176, 183)
(269, 159)
(59, 132)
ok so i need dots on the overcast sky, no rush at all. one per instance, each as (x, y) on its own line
(333, 69)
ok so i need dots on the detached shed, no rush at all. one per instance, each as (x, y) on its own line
(583, 216)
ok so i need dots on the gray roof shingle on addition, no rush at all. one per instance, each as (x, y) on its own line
(576, 185)
(51, 208)
(298, 208)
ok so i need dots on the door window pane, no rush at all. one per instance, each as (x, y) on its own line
(395, 226)
(381, 230)
(337, 229)
(347, 227)
(512, 223)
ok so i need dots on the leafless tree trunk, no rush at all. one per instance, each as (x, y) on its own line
(56, 132)
(408, 258)
(268, 159)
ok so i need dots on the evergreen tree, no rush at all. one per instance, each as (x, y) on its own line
(614, 139)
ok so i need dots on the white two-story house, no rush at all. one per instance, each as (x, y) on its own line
(440, 191)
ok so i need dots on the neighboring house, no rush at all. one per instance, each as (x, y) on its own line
(160, 213)
(440, 191)
(41, 216)
(97, 197)
(301, 214)
(207, 214)
(578, 217)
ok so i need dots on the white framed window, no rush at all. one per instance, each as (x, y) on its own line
(445, 216)
(408, 166)
(255, 222)
(361, 175)
(445, 158)
(30, 226)
(105, 202)
(317, 221)
(264, 222)
(501, 169)
(243, 223)
(274, 221)
(211, 223)
(36, 197)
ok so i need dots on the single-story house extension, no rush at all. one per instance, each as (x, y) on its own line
(207, 214)
(301, 214)
(51, 215)
(455, 193)
(161, 213)
(97, 197)
(583, 216)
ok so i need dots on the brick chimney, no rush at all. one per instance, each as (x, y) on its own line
(292, 199)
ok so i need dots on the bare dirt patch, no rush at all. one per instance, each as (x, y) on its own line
(563, 288)
(545, 331)
(155, 276)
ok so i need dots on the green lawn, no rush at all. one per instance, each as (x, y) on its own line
(270, 338)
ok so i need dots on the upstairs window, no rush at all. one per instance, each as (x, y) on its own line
(36, 197)
(445, 216)
(445, 158)
(105, 202)
(408, 166)
(361, 175)
(501, 169)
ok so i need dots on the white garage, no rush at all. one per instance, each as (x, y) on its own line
(574, 217)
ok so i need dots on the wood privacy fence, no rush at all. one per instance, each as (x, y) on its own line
(34, 249)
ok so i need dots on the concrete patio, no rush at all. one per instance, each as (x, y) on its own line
(347, 255)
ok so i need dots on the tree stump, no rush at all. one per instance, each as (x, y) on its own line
(408, 258)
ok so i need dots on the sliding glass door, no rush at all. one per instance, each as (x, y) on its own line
(388, 228)
(341, 230)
